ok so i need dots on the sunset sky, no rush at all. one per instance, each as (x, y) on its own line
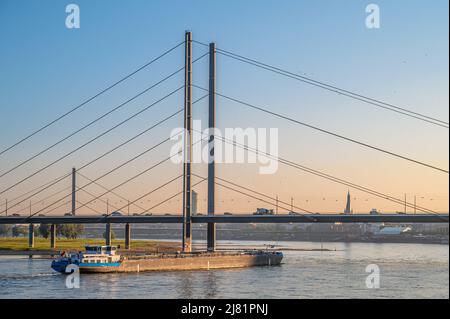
(46, 69)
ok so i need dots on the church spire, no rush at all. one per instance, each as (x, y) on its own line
(347, 206)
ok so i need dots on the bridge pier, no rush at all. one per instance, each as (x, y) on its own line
(127, 236)
(211, 230)
(31, 236)
(187, 218)
(53, 236)
(74, 190)
(108, 234)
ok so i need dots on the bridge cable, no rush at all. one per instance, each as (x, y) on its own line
(93, 209)
(105, 188)
(261, 194)
(150, 192)
(330, 177)
(59, 206)
(332, 88)
(257, 198)
(43, 185)
(90, 141)
(90, 123)
(327, 132)
(66, 202)
(100, 199)
(38, 192)
(44, 199)
(123, 164)
(91, 98)
(98, 118)
(170, 157)
(110, 151)
(169, 198)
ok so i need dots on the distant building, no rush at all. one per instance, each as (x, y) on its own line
(391, 230)
(348, 209)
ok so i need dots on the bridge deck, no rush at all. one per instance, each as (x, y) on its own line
(323, 218)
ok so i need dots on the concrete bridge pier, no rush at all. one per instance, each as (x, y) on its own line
(53, 236)
(31, 236)
(108, 234)
(127, 236)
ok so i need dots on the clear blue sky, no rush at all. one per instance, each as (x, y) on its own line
(46, 69)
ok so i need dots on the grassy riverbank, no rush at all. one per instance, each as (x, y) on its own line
(21, 244)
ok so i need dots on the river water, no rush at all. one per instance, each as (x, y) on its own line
(405, 271)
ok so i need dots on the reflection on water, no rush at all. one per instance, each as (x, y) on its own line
(407, 271)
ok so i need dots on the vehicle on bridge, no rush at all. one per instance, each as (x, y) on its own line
(263, 211)
(116, 214)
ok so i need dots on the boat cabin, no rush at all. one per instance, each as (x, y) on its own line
(99, 255)
(100, 250)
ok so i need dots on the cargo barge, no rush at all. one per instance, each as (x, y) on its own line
(104, 259)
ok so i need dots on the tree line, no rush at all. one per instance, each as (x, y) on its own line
(69, 231)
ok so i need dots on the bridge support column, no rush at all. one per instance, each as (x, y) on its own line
(31, 236)
(211, 230)
(74, 190)
(108, 234)
(53, 236)
(187, 196)
(127, 236)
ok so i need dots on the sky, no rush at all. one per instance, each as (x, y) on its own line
(46, 69)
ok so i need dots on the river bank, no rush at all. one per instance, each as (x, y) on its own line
(19, 246)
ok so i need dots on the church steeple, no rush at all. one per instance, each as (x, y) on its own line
(347, 206)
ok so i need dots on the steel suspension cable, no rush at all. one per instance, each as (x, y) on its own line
(112, 150)
(105, 188)
(261, 194)
(91, 98)
(97, 119)
(90, 141)
(329, 177)
(328, 132)
(332, 88)
(169, 198)
(123, 164)
(89, 124)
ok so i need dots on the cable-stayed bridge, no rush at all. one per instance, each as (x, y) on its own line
(82, 212)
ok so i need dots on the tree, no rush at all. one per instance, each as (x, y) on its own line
(18, 230)
(4, 230)
(113, 234)
(44, 230)
(70, 231)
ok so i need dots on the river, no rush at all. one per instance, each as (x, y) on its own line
(405, 271)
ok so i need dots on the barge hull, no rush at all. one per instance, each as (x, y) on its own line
(195, 262)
